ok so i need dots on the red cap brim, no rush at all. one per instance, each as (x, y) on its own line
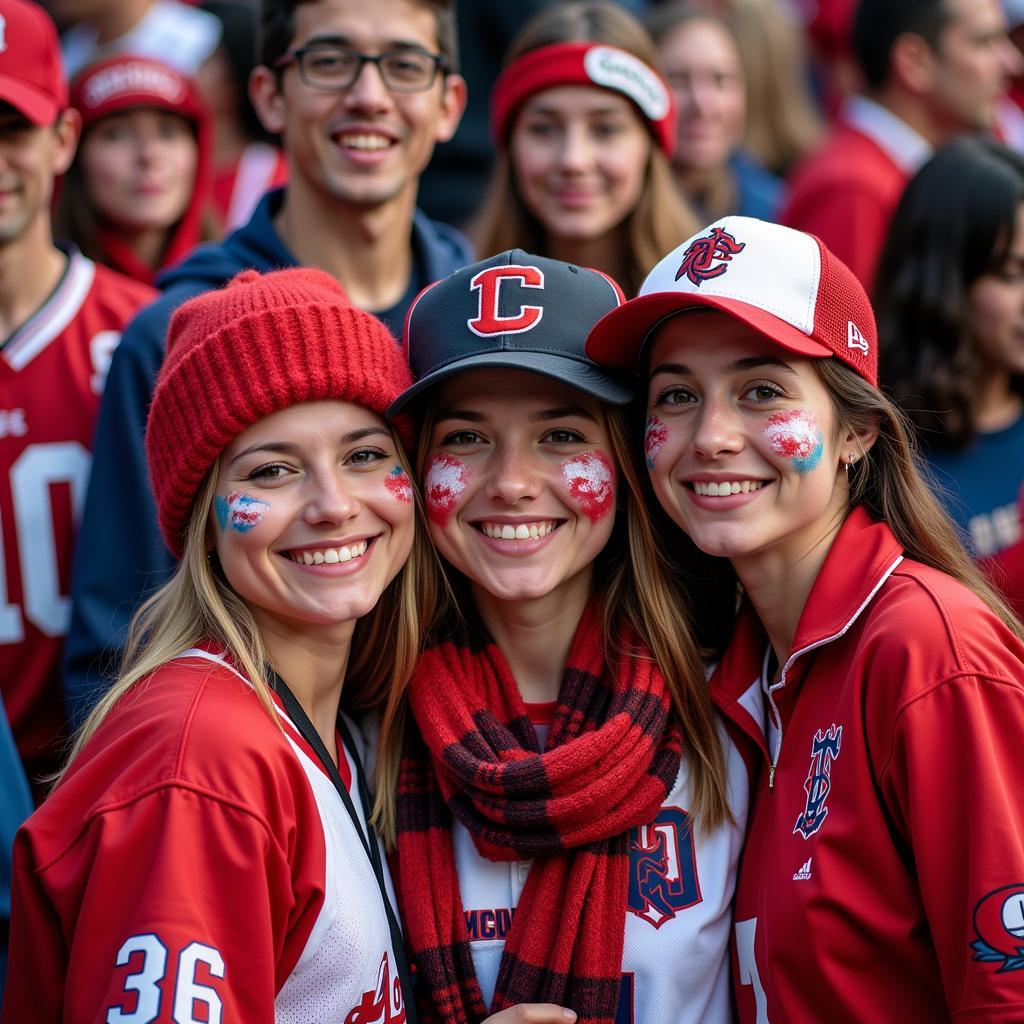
(617, 339)
(39, 107)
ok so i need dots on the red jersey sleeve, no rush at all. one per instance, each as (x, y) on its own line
(173, 906)
(852, 222)
(952, 782)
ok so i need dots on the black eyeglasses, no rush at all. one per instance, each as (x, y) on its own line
(335, 67)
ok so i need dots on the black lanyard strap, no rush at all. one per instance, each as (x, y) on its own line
(367, 833)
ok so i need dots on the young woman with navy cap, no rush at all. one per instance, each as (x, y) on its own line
(882, 678)
(570, 813)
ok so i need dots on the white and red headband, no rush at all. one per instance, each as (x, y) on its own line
(606, 67)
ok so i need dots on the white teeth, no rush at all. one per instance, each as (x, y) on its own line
(717, 490)
(365, 141)
(331, 556)
(521, 531)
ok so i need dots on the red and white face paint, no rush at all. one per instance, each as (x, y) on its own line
(794, 434)
(590, 479)
(399, 485)
(443, 484)
(655, 436)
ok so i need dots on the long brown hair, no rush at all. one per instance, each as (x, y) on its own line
(642, 594)
(889, 481)
(197, 604)
(661, 218)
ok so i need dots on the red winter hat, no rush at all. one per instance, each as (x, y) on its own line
(783, 283)
(262, 343)
(31, 76)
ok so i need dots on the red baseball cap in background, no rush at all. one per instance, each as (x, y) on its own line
(31, 75)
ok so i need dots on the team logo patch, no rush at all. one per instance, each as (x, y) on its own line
(824, 750)
(999, 925)
(663, 868)
(699, 261)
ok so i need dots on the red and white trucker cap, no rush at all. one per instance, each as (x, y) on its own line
(785, 284)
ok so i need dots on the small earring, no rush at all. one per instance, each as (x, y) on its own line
(850, 460)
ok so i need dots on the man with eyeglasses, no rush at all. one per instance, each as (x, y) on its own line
(360, 91)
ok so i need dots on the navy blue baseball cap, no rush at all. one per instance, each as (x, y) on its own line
(517, 311)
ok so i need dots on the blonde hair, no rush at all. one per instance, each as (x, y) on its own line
(641, 593)
(661, 218)
(197, 605)
(783, 123)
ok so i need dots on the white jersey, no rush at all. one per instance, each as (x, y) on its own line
(675, 960)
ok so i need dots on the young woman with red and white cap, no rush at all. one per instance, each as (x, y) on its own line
(877, 671)
(206, 855)
(570, 812)
(137, 196)
(585, 127)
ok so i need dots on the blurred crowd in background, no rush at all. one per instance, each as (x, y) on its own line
(893, 129)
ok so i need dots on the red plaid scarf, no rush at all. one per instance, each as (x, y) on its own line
(611, 758)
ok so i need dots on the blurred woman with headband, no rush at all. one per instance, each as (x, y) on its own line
(585, 128)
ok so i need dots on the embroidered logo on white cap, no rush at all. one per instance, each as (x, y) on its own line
(616, 69)
(706, 257)
(854, 338)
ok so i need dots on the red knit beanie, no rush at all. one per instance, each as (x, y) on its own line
(262, 343)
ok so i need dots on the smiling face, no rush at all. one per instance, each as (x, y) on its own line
(364, 145)
(312, 517)
(579, 155)
(519, 482)
(140, 167)
(747, 461)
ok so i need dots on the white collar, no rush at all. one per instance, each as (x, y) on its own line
(901, 143)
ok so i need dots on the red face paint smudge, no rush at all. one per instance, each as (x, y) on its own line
(590, 478)
(399, 485)
(795, 435)
(655, 436)
(444, 483)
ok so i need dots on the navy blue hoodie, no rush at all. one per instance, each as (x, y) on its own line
(120, 556)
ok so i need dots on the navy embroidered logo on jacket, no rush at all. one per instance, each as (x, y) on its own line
(999, 925)
(699, 259)
(663, 867)
(824, 750)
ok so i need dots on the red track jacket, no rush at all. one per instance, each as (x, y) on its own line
(883, 878)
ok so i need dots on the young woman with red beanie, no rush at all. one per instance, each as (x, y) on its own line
(876, 670)
(137, 196)
(570, 813)
(207, 854)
